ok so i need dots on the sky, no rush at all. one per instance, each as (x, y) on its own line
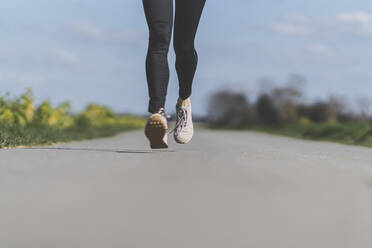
(94, 51)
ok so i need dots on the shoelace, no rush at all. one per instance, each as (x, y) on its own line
(162, 112)
(166, 116)
(181, 120)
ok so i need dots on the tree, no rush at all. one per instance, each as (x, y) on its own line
(364, 104)
(229, 109)
(267, 113)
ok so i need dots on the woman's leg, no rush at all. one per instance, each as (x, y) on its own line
(188, 13)
(159, 16)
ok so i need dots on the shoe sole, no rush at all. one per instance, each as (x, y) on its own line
(155, 131)
(182, 142)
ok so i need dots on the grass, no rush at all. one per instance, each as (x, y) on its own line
(31, 135)
(346, 133)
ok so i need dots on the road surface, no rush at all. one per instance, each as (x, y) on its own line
(226, 189)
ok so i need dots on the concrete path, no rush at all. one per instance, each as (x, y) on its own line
(223, 190)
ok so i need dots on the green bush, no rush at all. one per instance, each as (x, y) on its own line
(23, 123)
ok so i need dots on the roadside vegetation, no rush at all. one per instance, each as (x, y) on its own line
(22, 123)
(285, 111)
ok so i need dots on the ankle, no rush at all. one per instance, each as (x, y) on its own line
(184, 102)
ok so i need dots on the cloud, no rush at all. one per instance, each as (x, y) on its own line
(20, 78)
(95, 33)
(291, 28)
(294, 24)
(356, 22)
(89, 30)
(319, 49)
(355, 17)
(66, 57)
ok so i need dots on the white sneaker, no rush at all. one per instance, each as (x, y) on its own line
(156, 130)
(184, 129)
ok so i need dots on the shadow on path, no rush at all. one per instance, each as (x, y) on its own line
(129, 151)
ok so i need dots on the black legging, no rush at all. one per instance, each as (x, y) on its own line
(159, 16)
